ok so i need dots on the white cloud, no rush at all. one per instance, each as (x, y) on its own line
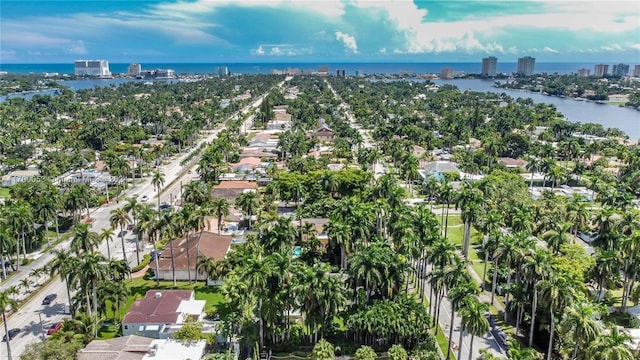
(77, 48)
(258, 51)
(275, 51)
(348, 41)
(635, 46)
(383, 51)
(550, 50)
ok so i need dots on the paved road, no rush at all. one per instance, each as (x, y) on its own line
(32, 316)
(480, 342)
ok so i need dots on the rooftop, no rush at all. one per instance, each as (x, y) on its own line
(130, 347)
(157, 307)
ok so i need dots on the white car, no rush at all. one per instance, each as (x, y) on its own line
(144, 198)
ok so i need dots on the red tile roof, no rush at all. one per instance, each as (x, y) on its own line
(153, 309)
(210, 244)
(236, 184)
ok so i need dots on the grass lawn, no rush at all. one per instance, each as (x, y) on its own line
(443, 343)
(107, 332)
(454, 219)
(4, 192)
(138, 288)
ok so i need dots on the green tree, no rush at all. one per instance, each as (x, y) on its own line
(473, 322)
(52, 349)
(120, 217)
(191, 331)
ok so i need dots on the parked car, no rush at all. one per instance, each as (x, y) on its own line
(122, 233)
(11, 334)
(144, 198)
(155, 254)
(49, 299)
(54, 328)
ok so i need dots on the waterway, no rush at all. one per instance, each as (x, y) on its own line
(609, 116)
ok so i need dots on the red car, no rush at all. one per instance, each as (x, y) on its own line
(54, 328)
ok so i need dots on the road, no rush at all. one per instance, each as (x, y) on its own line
(32, 316)
(480, 342)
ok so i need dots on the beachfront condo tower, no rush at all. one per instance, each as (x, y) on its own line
(92, 68)
(526, 66)
(489, 66)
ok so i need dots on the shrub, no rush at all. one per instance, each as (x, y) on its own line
(145, 261)
(323, 350)
(365, 353)
(397, 352)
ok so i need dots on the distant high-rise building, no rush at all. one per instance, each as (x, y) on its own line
(620, 70)
(341, 73)
(222, 71)
(636, 71)
(526, 66)
(134, 69)
(584, 72)
(601, 70)
(489, 66)
(92, 68)
(446, 73)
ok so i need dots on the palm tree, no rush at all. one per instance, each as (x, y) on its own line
(84, 241)
(536, 268)
(157, 181)
(64, 265)
(255, 274)
(340, 234)
(220, 209)
(473, 321)
(611, 346)
(132, 205)
(459, 296)
(7, 303)
(107, 235)
(120, 217)
(248, 203)
(557, 293)
(581, 321)
(558, 236)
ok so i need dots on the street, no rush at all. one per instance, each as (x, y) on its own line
(480, 342)
(32, 316)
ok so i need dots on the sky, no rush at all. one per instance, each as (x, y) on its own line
(192, 31)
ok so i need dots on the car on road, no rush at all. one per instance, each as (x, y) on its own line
(49, 299)
(503, 338)
(155, 254)
(144, 198)
(122, 233)
(54, 328)
(11, 334)
(165, 207)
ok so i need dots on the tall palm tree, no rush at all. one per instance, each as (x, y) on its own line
(248, 203)
(581, 321)
(84, 240)
(557, 293)
(474, 322)
(611, 345)
(63, 264)
(459, 296)
(158, 181)
(558, 236)
(120, 217)
(536, 268)
(7, 303)
(132, 205)
(220, 209)
(107, 235)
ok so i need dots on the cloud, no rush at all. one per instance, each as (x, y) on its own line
(259, 51)
(275, 51)
(383, 51)
(348, 41)
(77, 48)
(550, 50)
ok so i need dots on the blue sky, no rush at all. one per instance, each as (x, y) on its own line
(318, 30)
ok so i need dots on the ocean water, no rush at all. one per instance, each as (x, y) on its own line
(265, 68)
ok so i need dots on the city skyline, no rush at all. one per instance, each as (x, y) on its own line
(310, 31)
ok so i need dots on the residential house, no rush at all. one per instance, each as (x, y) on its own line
(317, 225)
(230, 190)
(323, 133)
(17, 176)
(439, 169)
(130, 347)
(511, 163)
(161, 313)
(259, 153)
(186, 251)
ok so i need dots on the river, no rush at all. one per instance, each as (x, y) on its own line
(609, 116)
